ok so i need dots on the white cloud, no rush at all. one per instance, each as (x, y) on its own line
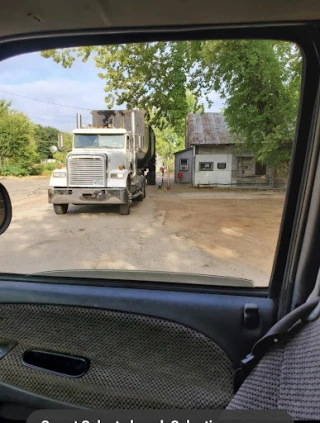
(33, 76)
(88, 95)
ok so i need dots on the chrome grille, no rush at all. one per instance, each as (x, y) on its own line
(86, 171)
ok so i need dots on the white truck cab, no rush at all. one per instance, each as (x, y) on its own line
(102, 168)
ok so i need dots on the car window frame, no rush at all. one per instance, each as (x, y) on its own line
(303, 34)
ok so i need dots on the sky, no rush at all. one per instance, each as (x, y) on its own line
(33, 76)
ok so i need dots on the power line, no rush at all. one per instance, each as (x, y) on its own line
(49, 114)
(43, 101)
(50, 120)
(55, 122)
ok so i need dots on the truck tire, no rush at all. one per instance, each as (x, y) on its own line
(144, 189)
(143, 195)
(151, 177)
(60, 208)
(125, 209)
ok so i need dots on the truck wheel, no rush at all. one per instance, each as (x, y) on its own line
(144, 191)
(125, 209)
(60, 208)
(143, 195)
(151, 177)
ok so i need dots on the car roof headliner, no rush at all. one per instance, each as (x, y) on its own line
(34, 16)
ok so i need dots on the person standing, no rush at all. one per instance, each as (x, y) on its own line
(162, 169)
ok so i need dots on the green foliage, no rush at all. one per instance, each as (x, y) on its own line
(4, 107)
(49, 166)
(45, 137)
(13, 170)
(168, 143)
(170, 139)
(35, 170)
(17, 145)
(150, 76)
(259, 81)
(46, 169)
(23, 144)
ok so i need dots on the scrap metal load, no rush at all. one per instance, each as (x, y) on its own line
(146, 153)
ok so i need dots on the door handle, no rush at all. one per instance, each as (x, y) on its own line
(57, 363)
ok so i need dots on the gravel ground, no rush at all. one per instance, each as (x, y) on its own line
(207, 231)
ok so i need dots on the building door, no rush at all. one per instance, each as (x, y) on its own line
(261, 170)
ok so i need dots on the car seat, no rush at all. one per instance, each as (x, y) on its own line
(287, 377)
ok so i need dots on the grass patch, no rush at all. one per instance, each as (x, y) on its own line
(43, 169)
(48, 168)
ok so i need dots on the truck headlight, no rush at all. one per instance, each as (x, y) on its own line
(117, 175)
(59, 174)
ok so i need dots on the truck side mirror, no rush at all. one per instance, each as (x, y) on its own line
(60, 141)
(5, 209)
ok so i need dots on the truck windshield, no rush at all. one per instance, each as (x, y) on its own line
(99, 141)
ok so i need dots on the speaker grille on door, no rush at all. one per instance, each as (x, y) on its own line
(136, 361)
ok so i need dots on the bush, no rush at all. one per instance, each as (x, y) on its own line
(36, 170)
(44, 169)
(47, 168)
(13, 170)
(50, 166)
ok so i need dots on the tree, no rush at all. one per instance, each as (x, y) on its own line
(152, 76)
(17, 145)
(259, 81)
(170, 139)
(4, 107)
(45, 137)
(168, 143)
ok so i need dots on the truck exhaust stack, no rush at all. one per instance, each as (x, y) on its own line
(79, 121)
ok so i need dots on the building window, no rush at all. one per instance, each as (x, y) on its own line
(245, 166)
(221, 166)
(205, 166)
(184, 164)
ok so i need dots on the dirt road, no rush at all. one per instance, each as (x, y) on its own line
(228, 233)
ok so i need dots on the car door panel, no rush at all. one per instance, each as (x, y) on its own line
(136, 361)
(147, 348)
(220, 317)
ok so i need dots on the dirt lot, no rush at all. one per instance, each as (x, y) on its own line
(228, 233)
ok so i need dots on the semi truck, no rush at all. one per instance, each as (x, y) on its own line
(111, 162)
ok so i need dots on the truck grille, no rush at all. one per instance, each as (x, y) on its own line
(86, 171)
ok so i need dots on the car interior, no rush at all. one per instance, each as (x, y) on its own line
(98, 340)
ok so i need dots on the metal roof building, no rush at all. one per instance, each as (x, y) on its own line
(207, 129)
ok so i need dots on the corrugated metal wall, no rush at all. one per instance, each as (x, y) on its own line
(187, 174)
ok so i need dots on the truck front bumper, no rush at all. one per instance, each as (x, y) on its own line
(80, 196)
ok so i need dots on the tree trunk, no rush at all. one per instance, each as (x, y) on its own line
(275, 175)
